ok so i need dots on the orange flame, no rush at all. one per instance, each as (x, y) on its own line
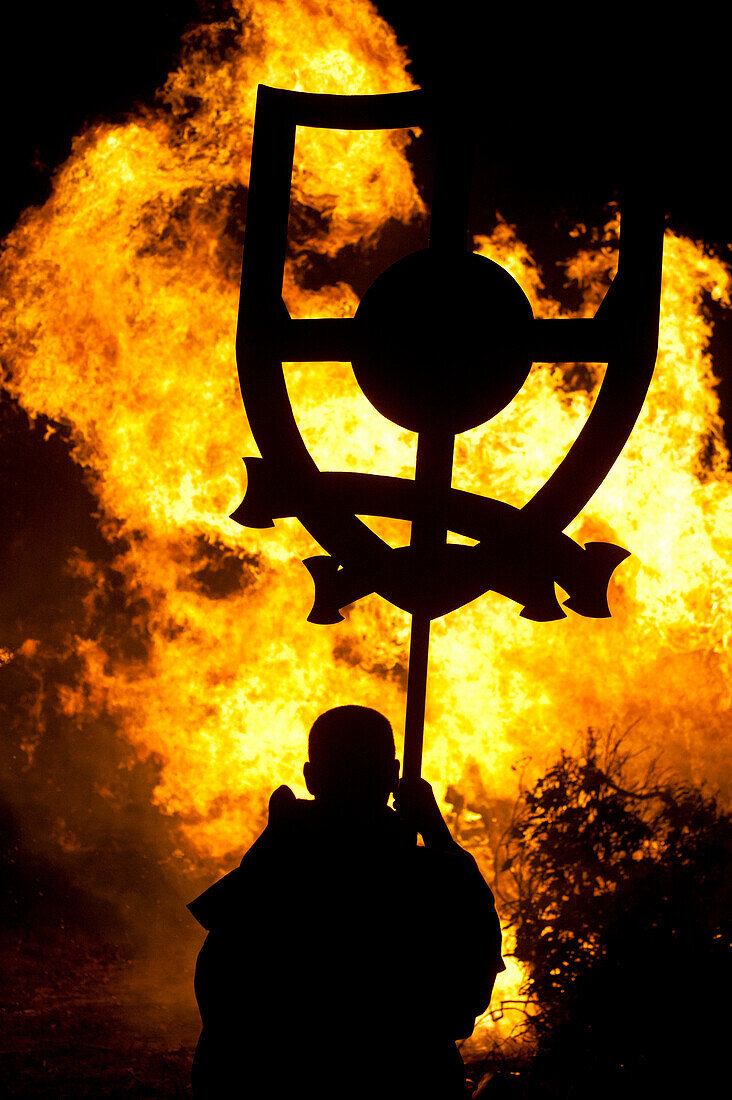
(124, 289)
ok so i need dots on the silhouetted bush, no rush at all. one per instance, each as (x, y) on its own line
(622, 909)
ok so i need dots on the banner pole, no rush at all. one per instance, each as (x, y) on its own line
(433, 473)
(419, 646)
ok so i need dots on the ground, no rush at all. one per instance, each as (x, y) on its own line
(92, 1028)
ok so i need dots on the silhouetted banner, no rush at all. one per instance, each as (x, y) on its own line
(512, 557)
(441, 342)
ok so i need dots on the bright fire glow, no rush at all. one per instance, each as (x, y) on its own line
(124, 290)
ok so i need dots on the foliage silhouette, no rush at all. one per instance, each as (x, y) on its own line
(622, 895)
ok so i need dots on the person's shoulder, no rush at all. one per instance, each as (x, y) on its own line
(450, 856)
(211, 907)
(450, 868)
(290, 816)
(289, 820)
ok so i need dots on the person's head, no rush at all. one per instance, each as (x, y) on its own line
(352, 765)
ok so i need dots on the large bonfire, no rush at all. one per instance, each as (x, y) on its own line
(120, 301)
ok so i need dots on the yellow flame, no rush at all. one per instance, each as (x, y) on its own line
(121, 295)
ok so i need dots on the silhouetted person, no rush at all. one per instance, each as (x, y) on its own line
(342, 960)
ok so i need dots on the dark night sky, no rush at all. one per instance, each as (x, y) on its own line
(552, 91)
(562, 101)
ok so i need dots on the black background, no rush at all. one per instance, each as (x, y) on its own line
(571, 96)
